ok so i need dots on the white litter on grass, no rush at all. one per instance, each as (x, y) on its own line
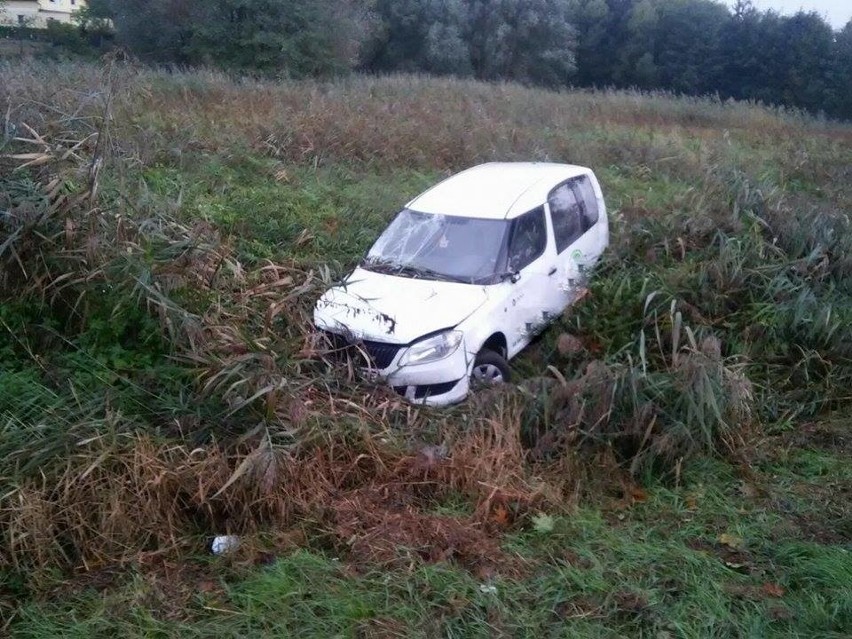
(488, 589)
(224, 544)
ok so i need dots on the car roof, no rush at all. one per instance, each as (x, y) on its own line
(495, 191)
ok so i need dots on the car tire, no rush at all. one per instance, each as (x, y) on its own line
(489, 368)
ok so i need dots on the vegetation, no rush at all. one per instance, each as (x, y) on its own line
(288, 37)
(672, 462)
(696, 47)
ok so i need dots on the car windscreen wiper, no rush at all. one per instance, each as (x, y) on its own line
(395, 268)
(422, 271)
(380, 265)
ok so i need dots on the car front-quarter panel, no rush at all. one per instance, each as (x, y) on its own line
(495, 316)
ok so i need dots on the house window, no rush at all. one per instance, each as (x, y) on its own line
(20, 19)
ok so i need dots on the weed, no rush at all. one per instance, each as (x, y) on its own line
(164, 237)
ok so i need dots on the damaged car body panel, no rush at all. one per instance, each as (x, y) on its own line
(381, 306)
(466, 274)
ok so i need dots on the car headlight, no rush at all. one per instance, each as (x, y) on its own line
(432, 349)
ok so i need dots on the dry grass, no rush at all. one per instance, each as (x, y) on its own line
(120, 491)
(394, 121)
(122, 494)
(299, 441)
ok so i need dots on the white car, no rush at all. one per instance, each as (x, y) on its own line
(466, 274)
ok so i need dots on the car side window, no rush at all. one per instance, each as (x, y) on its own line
(528, 240)
(566, 214)
(586, 195)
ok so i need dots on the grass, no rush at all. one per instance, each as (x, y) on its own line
(679, 471)
(292, 213)
(656, 567)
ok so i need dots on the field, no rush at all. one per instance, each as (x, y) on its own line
(673, 461)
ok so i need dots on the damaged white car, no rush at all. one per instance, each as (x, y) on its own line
(466, 274)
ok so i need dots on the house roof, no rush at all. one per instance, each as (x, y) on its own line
(497, 191)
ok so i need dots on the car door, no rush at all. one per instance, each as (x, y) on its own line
(529, 305)
(574, 215)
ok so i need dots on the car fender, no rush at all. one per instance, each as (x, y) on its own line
(488, 319)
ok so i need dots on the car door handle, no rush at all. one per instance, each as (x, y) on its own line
(551, 272)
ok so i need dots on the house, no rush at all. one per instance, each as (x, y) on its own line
(37, 13)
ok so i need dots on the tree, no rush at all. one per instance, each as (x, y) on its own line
(743, 47)
(525, 40)
(531, 41)
(422, 35)
(686, 45)
(287, 37)
(637, 64)
(156, 30)
(291, 37)
(616, 42)
(839, 99)
(94, 24)
(804, 62)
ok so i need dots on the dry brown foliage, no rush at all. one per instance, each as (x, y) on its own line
(401, 121)
(322, 450)
(331, 459)
(116, 499)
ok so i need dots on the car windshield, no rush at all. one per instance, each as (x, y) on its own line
(448, 247)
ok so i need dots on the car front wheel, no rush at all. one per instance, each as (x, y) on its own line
(489, 368)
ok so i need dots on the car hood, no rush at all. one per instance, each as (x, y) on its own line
(389, 308)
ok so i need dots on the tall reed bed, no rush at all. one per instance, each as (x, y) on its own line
(159, 385)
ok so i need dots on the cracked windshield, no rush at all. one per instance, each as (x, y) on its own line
(446, 247)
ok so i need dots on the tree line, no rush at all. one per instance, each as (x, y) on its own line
(685, 46)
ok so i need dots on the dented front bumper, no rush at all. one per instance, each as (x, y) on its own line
(439, 383)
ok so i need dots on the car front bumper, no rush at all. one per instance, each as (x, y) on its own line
(439, 383)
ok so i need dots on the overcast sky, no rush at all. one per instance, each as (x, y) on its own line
(837, 12)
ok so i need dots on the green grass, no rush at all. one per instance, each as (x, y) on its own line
(657, 567)
(316, 216)
(733, 230)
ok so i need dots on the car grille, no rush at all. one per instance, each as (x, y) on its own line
(381, 354)
(428, 390)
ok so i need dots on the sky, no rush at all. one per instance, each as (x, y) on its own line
(836, 12)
